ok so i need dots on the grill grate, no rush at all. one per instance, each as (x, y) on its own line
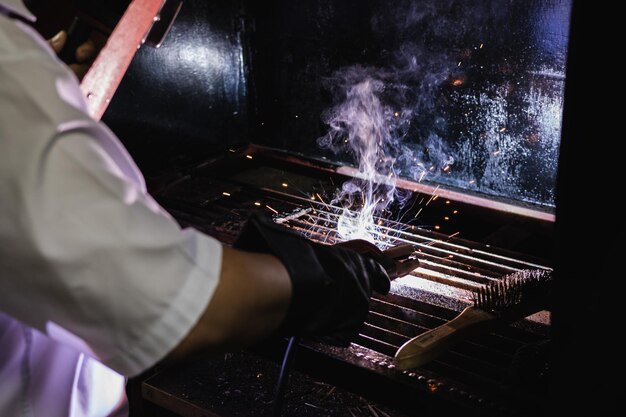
(395, 319)
(451, 268)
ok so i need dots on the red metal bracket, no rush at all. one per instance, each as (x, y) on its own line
(109, 68)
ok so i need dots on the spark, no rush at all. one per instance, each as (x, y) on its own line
(441, 241)
(533, 138)
(481, 46)
(232, 150)
(320, 198)
(446, 218)
(455, 212)
(418, 212)
(458, 82)
(437, 227)
(446, 168)
(312, 197)
(397, 114)
(422, 175)
(433, 196)
(296, 116)
(496, 153)
(447, 201)
(459, 64)
(502, 130)
(270, 208)
(256, 203)
(284, 184)
(472, 181)
(226, 194)
(249, 156)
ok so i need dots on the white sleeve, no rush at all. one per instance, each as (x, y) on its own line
(109, 265)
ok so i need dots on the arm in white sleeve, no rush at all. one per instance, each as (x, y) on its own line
(83, 247)
(109, 264)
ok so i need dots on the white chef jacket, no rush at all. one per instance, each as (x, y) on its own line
(94, 274)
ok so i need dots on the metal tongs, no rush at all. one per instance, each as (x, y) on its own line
(397, 260)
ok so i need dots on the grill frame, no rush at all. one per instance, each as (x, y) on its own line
(198, 199)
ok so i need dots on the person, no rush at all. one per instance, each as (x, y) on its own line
(99, 283)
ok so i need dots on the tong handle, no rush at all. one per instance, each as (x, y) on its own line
(399, 252)
(398, 260)
(403, 260)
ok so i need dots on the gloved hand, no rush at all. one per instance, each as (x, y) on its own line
(331, 285)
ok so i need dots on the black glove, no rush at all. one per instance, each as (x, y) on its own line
(331, 285)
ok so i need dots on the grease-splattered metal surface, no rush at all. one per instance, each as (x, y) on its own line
(471, 90)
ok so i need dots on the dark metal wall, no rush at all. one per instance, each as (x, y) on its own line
(472, 89)
(590, 231)
(181, 100)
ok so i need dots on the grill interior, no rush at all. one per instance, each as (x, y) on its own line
(490, 373)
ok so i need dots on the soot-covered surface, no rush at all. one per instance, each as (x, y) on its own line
(242, 384)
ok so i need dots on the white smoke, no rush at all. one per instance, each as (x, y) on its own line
(364, 125)
(433, 110)
(373, 117)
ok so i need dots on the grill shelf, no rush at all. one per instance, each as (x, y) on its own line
(475, 373)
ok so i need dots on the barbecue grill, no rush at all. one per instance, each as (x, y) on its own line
(217, 197)
(231, 73)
